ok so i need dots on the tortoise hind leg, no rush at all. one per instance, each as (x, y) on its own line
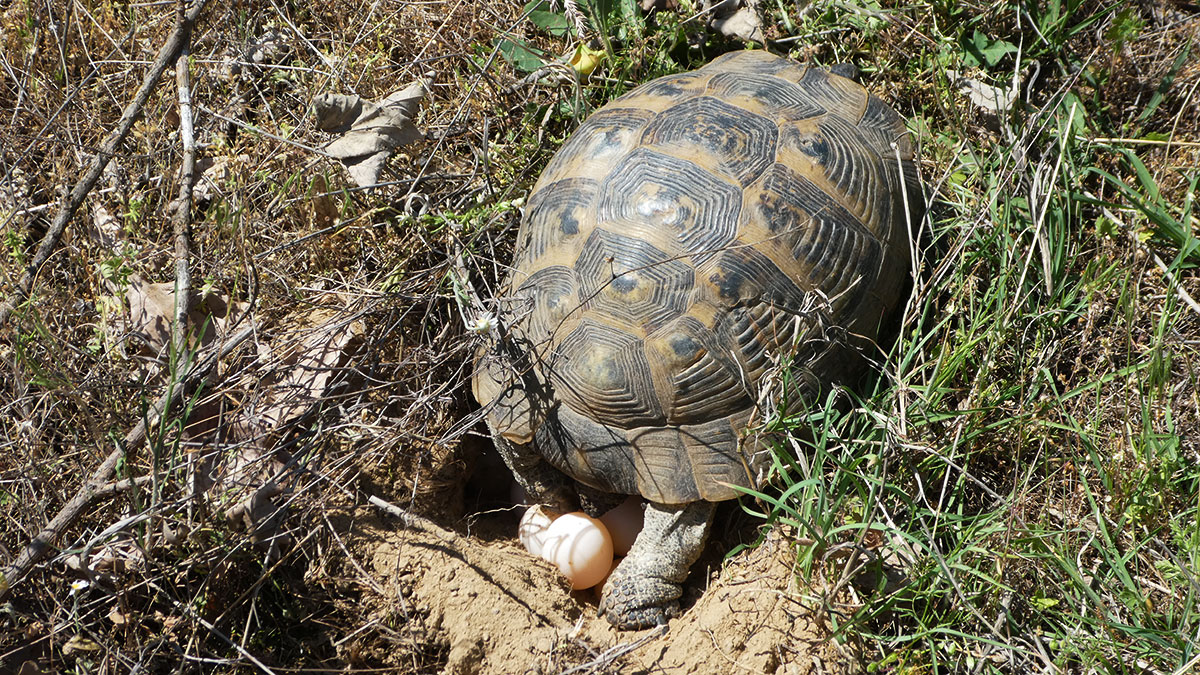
(644, 590)
(543, 483)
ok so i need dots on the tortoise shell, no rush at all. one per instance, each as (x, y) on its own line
(688, 235)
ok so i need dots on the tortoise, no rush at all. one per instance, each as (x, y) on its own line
(689, 238)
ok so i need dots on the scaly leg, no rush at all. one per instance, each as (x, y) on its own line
(645, 588)
(543, 483)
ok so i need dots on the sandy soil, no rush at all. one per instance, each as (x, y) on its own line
(493, 609)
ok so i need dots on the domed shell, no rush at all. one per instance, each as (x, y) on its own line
(687, 235)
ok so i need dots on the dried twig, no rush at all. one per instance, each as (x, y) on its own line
(166, 56)
(181, 208)
(413, 521)
(98, 486)
(212, 628)
(606, 660)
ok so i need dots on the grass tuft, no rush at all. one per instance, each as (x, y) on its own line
(1019, 491)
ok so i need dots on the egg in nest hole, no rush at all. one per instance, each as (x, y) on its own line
(579, 545)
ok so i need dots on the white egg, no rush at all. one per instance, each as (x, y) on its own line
(581, 548)
(532, 530)
(624, 523)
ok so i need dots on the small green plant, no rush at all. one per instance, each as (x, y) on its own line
(15, 243)
(609, 20)
(134, 212)
(981, 51)
(1153, 214)
(1126, 26)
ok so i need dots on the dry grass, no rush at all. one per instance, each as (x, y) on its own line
(1045, 470)
(283, 230)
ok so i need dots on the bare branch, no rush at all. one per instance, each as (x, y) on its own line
(166, 56)
(181, 209)
(98, 486)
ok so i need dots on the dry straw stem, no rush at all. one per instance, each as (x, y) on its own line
(166, 56)
(608, 658)
(212, 628)
(98, 486)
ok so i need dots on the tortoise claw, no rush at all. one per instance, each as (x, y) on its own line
(631, 602)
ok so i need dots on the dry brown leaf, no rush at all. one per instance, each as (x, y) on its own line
(308, 366)
(14, 191)
(990, 99)
(369, 132)
(738, 20)
(152, 309)
(213, 177)
(659, 5)
(15, 207)
(314, 361)
(117, 557)
(321, 208)
(105, 229)
(117, 617)
(79, 643)
(269, 48)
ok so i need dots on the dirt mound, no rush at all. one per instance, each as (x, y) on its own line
(753, 619)
(493, 608)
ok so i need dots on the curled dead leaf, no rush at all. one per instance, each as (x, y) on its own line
(323, 348)
(269, 48)
(738, 19)
(152, 309)
(990, 99)
(104, 228)
(320, 208)
(369, 132)
(79, 643)
(659, 5)
(117, 617)
(213, 179)
(117, 557)
(306, 362)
